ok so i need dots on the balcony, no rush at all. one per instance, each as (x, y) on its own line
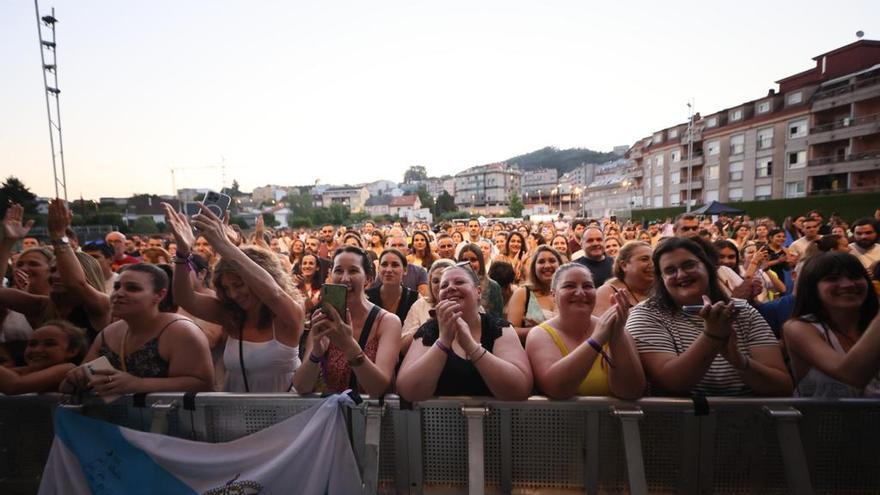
(844, 129)
(696, 161)
(844, 95)
(852, 157)
(695, 184)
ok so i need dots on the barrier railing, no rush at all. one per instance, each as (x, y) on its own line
(480, 445)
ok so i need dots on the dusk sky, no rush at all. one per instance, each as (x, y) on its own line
(346, 92)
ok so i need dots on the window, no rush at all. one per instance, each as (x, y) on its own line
(658, 180)
(736, 115)
(797, 129)
(794, 189)
(736, 171)
(797, 159)
(737, 144)
(675, 177)
(764, 167)
(795, 98)
(658, 138)
(713, 147)
(763, 192)
(735, 194)
(711, 195)
(674, 199)
(675, 155)
(658, 201)
(712, 171)
(712, 122)
(658, 161)
(764, 107)
(765, 138)
(673, 133)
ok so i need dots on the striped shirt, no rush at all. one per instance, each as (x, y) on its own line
(656, 329)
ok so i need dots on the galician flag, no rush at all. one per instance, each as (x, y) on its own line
(308, 453)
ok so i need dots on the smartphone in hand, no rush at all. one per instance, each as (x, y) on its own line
(335, 295)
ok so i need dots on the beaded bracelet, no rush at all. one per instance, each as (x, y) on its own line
(600, 351)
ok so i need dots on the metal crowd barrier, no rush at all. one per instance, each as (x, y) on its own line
(479, 445)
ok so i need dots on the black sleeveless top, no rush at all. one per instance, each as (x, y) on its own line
(460, 376)
(408, 297)
(144, 362)
(80, 318)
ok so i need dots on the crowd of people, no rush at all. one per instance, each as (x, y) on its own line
(720, 306)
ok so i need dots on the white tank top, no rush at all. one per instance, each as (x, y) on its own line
(817, 384)
(269, 366)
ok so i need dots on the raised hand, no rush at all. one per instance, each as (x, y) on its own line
(181, 229)
(13, 229)
(59, 218)
(210, 226)
(449, 321)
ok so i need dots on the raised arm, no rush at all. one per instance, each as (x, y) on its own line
(288, 313)
(202, 306)
(96, 302)
(13, 231)
(30, 305)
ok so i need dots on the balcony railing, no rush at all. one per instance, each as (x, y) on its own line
(846, 122)
(852, 157)
(821, 95)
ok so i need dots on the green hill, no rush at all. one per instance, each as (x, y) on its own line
(562, 160)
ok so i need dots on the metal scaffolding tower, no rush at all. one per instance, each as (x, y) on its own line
(50, 70)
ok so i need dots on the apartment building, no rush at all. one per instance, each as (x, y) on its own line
(819, 133)
(539, 181)
(615, 190)
(354, 197)
(487, 188)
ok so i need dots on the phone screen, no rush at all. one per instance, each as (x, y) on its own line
(335, 295)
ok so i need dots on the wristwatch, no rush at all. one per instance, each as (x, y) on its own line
(62, 241)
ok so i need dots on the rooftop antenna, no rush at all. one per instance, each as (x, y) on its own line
(50, 70)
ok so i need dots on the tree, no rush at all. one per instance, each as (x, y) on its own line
(300, 204)
(14, 191)
(233, 191)
(415, 173)
(445, 203)
(425, 197)
(516, 205)
(145, 225)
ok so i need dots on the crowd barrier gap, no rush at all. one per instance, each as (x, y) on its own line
(480, 445)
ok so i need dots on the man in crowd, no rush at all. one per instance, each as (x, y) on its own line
(328, 242)
(687, 225)
(865, 247)
(594, 256)
(473, 231)
(117, 241)
(156, 241)
(445, 246)
(576, 234)
(416, 277)
(103, 254)
(29, 242)
(810, 230)
(204, 249)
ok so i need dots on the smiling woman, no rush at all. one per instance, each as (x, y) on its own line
(834, 335)
(727, 349)
(52, 351)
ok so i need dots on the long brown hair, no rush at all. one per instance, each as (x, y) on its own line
(267, 260)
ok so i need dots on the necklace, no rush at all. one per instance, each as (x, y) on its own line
(631, 292)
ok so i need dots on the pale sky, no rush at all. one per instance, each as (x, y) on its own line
(353, 91)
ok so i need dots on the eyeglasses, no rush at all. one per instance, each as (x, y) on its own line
(688, 266)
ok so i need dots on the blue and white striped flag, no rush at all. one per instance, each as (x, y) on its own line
(307, 453)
